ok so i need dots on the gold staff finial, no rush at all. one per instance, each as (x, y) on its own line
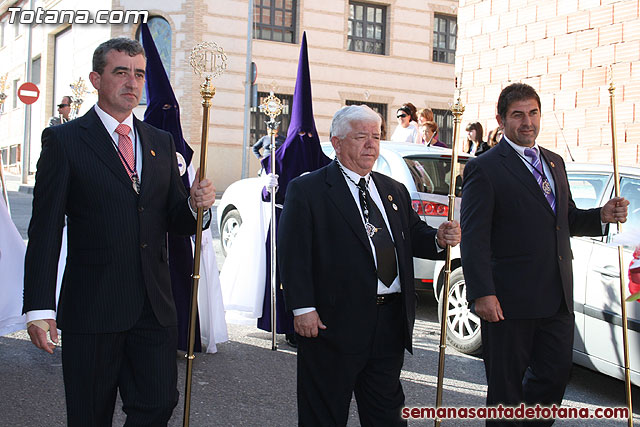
(457, 109)
(79, 89)
(209, 60)
(3, 86)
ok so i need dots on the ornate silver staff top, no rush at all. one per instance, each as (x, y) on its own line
(208, 59)
(78, 88)
(271, 106)
(3, 86)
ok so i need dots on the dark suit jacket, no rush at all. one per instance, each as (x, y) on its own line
(513, 246)
(117, 249)
(326, 261)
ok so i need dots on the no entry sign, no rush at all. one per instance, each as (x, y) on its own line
(28, 93)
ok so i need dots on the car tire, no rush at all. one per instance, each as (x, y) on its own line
(231, 223)
(463, 326)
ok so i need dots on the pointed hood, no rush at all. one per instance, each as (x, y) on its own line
(301, 151)
(163, 110)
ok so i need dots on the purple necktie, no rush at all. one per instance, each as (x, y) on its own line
(538, 172)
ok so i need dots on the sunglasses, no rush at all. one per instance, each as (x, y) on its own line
(401, 116)
(62, 105)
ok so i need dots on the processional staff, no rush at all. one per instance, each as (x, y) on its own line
(272, 107)
(208, 60)
(79, 89)
(623, 306)
(456, 109)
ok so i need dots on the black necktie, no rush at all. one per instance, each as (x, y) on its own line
(385, 250)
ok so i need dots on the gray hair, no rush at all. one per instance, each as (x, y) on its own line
(121, 44)
(342, 119)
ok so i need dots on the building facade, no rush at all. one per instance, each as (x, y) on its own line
(383, 53)
(564, 49)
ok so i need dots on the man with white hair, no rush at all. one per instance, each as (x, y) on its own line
(347, 238)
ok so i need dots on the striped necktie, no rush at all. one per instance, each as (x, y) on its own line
(538, 172)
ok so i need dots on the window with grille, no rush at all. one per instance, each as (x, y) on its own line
(275, 20)
(444, 119)
(367, 26)
(378, 108)
(258, 119)
(445, 33)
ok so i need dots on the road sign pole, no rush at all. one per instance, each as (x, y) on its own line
(26, 146)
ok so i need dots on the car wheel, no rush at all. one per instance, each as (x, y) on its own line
(463, 327)
(231, 223)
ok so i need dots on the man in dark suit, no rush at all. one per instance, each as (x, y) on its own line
(517, 217)
(64, 109)
(347, 238)
(116, 179)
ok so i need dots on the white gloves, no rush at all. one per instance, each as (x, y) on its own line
(271, 182)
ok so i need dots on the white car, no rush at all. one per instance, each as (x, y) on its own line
(423, 170)
(596, 277)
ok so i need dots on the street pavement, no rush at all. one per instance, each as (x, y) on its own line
(247, 384)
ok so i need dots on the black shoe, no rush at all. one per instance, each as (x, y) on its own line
(291, 340)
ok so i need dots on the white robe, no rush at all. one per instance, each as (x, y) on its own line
(12, 251)
(213, 327)
(242, 282)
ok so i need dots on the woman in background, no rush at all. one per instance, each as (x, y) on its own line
(475, 145)
(424, 115)
(406, 131)
(431, 135)
(494, 136)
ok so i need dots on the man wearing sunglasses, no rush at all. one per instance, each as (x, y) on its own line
(64, 108)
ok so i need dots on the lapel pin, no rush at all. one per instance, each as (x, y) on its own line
(153, 153)
(390, 198)
(553, 165)
(395, 208)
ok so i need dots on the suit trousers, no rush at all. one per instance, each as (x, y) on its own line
(328, 377)
(140, 362)
(528, 360)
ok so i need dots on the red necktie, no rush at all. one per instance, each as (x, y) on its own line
(126, 149)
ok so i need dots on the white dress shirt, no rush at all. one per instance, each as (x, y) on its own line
(375, 196)
(110, 125)
(520, 150)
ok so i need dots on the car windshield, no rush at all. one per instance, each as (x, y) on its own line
(432, 174)
(587, 188)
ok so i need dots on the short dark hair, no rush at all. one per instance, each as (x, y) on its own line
(121, 44)
(515, 92)
(69, 98)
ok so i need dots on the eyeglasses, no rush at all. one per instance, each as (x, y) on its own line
(62, 105)
(401, 116)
